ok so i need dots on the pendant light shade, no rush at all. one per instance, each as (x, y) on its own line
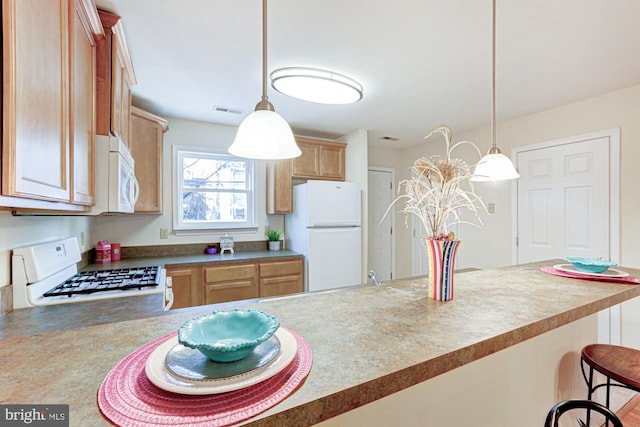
(495, 166)
(264, 134)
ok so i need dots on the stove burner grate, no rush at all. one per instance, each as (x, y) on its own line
(88, 282)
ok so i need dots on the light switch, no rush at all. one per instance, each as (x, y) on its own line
(491, 207)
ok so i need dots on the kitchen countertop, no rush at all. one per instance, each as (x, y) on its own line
(351, 332)
(193, 260)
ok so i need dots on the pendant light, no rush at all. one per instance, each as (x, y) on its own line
(494, 166)
(264, 134)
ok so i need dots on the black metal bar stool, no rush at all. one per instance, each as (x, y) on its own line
(621, 366)
(560, 408)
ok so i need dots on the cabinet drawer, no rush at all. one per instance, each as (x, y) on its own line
(229, 272)
(280, 268)
(274, 286)
(230, 291)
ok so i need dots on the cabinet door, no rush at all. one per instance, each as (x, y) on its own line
(115, 78)
(279, 187)
(82, 73)
(35, 139)
(117, 75)
(104, 79)
(125, 107)
(332, 159)
(319, 160)
(186, 292)
(230, 282)
(307, 165)
(146, 137)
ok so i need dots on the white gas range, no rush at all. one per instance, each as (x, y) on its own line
(47, 274)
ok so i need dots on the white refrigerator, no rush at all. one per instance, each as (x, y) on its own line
(325, 228)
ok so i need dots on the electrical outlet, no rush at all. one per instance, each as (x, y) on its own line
(164, 233)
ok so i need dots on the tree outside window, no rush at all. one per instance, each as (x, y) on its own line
(215, 190)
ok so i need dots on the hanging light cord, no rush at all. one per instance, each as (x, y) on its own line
(494, 148)
(264, 103)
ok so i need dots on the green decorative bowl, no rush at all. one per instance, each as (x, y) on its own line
(590, 265)
(228, 335)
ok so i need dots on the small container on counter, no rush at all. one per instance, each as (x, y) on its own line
(103, 252)
(115, 252)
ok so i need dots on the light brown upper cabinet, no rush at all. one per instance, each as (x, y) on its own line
(115, 78)
(47, 137)
(320, 159)
(83, 23)
(147, 134)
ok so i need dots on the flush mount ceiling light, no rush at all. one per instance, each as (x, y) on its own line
(315, 85)
(264, 134)
(495, 166)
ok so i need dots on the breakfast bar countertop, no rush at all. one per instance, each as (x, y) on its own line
(351, 332)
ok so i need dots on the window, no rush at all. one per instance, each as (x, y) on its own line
(214, 191)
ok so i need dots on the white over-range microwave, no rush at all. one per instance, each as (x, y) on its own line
(117, 188)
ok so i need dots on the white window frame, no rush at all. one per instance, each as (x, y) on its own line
(179, 225)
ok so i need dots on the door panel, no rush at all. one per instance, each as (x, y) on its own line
(563, 201)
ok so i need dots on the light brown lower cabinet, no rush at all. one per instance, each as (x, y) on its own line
(185, 286)
(224, 282)
(229, 283)
(280, 278)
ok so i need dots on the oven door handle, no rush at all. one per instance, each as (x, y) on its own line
(168, 294)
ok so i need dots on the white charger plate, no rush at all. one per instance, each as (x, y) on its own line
(157, 372)
(610, 272)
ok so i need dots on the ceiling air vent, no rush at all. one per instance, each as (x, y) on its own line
(222, 109)
(389, 138)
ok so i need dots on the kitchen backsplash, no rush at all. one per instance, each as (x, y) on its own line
(175, 250)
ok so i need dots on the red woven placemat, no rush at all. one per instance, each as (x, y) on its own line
(629, 280)
(127, 398)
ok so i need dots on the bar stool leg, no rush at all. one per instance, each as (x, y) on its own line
(589, 394)
(608, 394)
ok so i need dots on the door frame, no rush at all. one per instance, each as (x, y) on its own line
(609, 321)
(391, 214)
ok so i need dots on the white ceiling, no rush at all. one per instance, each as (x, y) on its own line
(422, 62)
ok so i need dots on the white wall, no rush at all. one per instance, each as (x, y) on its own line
(16, 231)
(619, 109)
(491, 245)
(356, 171)
(142, 230)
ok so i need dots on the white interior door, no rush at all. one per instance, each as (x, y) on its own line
(381, 247)
(563, 201)
(419, 263)
(568, 205)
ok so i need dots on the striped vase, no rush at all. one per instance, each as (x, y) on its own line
(442, 256)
